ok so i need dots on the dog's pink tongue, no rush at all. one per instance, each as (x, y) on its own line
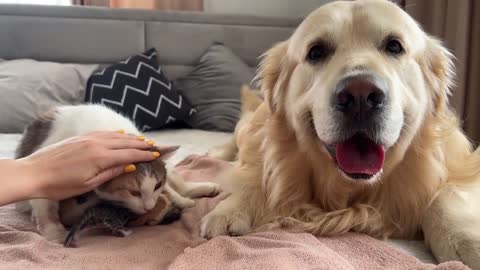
(360, 155)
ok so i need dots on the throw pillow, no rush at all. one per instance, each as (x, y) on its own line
(29, 87)
(137, 88)
(213, 88)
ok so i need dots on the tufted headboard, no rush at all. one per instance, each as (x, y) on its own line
(103, 36)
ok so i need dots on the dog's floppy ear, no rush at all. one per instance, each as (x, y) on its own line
(272, 75)
(439, 71)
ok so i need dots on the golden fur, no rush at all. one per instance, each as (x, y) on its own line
(250, 102)
(285, 177)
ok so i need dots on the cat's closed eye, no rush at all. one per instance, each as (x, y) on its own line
(135, 193)
(158, 185)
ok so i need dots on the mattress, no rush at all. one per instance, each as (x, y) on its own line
(198, 142)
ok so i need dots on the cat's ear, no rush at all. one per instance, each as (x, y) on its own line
(166, 151)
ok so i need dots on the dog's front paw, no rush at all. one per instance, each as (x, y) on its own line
(221, 222)
(468, 249)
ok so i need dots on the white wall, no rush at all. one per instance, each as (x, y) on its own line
(277, 8)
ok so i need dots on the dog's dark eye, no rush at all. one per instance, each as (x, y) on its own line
(394, 47)
(158, 185)
(318, 52)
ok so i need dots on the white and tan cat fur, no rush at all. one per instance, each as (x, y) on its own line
(69, 121)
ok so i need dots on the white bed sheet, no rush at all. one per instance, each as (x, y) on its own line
(198, 142)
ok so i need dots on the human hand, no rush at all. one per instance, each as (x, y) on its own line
(79, 164)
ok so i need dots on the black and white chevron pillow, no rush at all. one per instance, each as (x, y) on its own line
(137, 88)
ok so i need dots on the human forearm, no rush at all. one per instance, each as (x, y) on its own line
(17, 181)
(74, 166)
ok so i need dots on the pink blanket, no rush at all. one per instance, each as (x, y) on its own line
(178, 246)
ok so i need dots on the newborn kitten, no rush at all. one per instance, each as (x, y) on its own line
(138, 191)
(106, 215)
(116, 218)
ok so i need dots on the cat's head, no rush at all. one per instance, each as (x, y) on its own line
(139, 191)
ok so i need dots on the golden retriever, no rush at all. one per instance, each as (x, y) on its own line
(355, 134)
(250, 101)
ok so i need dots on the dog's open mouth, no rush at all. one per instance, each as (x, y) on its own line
(359, 157)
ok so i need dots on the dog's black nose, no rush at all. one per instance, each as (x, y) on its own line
(359, 95)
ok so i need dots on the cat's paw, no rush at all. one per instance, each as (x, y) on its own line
(203, 189)
(183, 203)
(207, 189)
(173, 215)
(223, 222)
(122, 232)
(222, 152)
(211, 189)
(53, 232)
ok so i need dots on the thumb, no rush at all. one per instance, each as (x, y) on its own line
(105, 175)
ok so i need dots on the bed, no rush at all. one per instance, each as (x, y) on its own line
(198, 142)
(101, 36)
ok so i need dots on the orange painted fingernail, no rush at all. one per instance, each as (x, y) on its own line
(130, 168)
(151, 143)
(120, 131)
(141, 137)
(156, 154)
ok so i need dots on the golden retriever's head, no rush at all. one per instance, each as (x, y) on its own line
(360, 78)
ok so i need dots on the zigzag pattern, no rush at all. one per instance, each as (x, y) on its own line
(136, 87)
(132, 75)
(148, 55)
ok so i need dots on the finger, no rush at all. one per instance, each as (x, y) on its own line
(128, 156)
(113, 135)
(105, 176)
(118, 144)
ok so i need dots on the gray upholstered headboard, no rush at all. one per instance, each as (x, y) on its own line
(100, 35)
